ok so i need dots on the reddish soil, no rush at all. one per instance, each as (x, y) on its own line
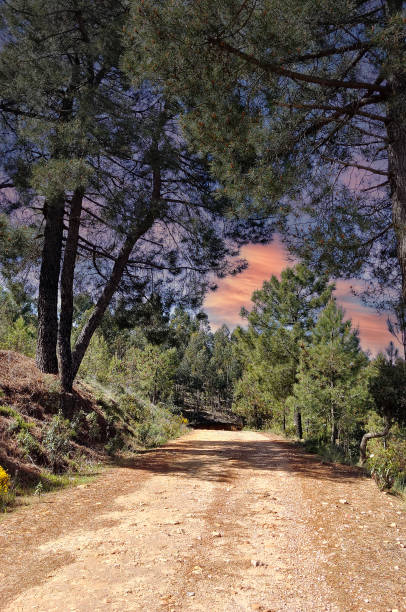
(215, 521)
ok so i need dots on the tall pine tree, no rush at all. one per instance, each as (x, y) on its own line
(282, 318)
(332, 385)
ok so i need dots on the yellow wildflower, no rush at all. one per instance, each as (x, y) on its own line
(4, 481)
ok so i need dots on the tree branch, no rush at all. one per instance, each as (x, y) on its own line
(359, 166)
(297, 76)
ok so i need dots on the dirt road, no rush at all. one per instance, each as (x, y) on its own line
(215, 521)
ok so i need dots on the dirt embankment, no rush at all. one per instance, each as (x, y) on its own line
(29, 400)
(218, 520)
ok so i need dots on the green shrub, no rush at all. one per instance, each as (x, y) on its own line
(133, 408)
(329, 452)
(159, 426)
(20, 337)
(93, 426)
(19, 424)
(8, 411)
(96, 362)
(388, 465)
(115, 444)
(57, 440)
(29, 445)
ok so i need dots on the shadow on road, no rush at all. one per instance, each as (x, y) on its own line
(214, 460)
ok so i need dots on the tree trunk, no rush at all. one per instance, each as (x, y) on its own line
(117, 272)
(396, 129)
(297, 417)
(67, 277)
(48, 285)
(102, 303)
(369, 436)
(333, 436)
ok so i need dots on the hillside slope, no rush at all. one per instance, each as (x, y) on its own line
(33, 435)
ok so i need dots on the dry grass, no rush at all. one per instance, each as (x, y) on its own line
(28, 400)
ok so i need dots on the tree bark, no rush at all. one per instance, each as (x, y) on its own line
(334, 432)
(67, 278)
(46, 357)
(333, 436)
(102, 303)
(396, 129)
(369, 436)
(297, 417)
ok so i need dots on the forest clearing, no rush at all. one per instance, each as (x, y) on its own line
(216, 520)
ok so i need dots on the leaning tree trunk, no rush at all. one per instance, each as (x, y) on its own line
(46, 357)
(117, 272)
(67, 277)
(104, 300)
(369, 436)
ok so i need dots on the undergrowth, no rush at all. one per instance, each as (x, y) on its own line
(331, 453)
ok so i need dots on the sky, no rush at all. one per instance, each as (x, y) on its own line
(224, 304)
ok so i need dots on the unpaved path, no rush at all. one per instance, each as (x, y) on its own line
(215, 521)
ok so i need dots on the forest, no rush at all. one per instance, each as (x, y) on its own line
(138, 156)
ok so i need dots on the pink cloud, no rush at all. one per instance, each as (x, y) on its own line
(224, 304)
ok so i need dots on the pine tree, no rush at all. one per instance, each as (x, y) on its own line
(57, 63)
(332, 385)
(283, 315)
(194, 367)
(126, 204)
(289, 97)
(387, 386)
(224, 367)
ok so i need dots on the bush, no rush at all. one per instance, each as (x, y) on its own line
(96, 362)
(4, 481)
(19, 337)
(57, 440)
(159, 426)
(19, 424)
(388, 465)
(8, 411)
(30, 447)
(115, 444)
(93, 426)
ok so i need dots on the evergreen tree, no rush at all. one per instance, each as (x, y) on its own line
(332, 385)
(269, 364)
(224, 367)
(194, 368)
(58, 67)
(181, 327)
(309, 91)
(283, 315)
(126, 205)
(388, 389)
(151, 371)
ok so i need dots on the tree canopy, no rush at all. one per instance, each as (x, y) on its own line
(310, 123)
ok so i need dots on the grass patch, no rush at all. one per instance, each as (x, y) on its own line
(20, 494)
(7, 411)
